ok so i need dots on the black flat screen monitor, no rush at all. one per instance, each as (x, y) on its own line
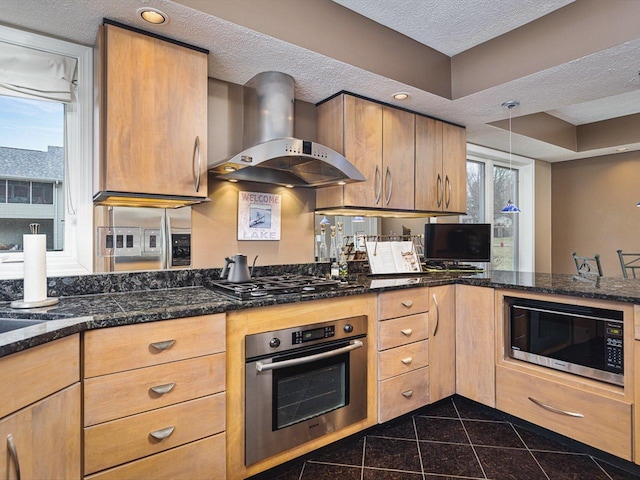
(458, 242)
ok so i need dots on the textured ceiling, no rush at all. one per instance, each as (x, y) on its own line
(598, 86)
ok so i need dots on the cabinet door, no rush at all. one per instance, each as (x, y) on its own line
(475, 344)
(46, 437)
(154, 115)
(429, 189)
(454, 166)
(398, 157)
(442, 346)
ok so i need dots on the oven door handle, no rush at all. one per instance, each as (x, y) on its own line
(261, 367)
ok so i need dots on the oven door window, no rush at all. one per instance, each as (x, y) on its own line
(309, 390)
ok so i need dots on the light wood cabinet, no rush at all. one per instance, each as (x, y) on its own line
(440, 166)
(442, 342)
(41, 412)
(475, 344)
(403, 357)
(398, 154)
(164, 390)
(153, 115)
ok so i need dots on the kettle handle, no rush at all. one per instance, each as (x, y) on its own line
(253, 265)
(225, 270)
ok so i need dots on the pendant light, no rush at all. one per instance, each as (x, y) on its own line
(510, 207)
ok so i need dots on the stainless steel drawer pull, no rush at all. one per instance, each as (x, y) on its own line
(263, 367)
(14, 454)
(162, 433)
(407, 361)
(407, 332)
(407, 303)
(163, 345)
(197, 153)
(555, 410)
(407, 394)
(435, 301)
(162, 389)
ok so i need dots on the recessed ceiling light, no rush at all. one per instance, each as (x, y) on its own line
(152, 15)
(622, 149)
(401, 95)
(233, 180)
(342, 182)
(288, 185)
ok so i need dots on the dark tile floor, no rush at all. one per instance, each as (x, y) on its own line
(455, 438)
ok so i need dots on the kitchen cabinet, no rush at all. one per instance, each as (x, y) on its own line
(147, 408)
(398, 153)
(41, 412)
(475, 344)
(440, 166)
(403, 357)
(442, 342)
(152, 97)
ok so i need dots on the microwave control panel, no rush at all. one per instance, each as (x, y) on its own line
(613, 345)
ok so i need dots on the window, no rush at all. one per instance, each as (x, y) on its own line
(46, 148)
(491, 183)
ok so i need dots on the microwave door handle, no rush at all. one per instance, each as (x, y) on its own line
(262, 367)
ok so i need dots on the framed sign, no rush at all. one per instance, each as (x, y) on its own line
(259, 216)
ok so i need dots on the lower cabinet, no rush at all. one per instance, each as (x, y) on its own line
(442, 342)
(403, 352)
(588, 417)
(154, 409)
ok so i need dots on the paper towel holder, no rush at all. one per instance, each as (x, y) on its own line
(45, 302)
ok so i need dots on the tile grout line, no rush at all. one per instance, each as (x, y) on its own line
(484, 474)
(415, 432)
(529, 450)
(364, 447)
(595, 460)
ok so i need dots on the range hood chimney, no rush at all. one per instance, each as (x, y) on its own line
(271, 154)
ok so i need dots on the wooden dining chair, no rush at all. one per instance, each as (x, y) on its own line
(587, 267)
(630, 263)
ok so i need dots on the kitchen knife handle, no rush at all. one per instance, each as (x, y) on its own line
(161, 346)
(197, 154)
(389, 187)
(378, 181)
(435, 301)
(162, 433)
(439, 191)
(14, 454)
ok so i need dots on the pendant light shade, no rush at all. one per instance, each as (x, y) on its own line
(510, 207)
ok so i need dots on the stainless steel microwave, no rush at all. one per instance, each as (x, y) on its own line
(578, 339)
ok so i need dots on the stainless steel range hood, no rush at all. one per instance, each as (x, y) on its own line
(271, 154)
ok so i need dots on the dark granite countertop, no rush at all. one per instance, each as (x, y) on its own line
(162, 300)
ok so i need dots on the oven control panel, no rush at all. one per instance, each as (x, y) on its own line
(302, 336)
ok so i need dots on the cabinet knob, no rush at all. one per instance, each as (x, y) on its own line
(407, 303)
(407, 394)
(162, 389)
(407, 361)
(160, 346)
(406, 332)
(162, 433)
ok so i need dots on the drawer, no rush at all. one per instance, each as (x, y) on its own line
(117, 349)
(187, 462)
(403, 330)
(38, 372)
(127, 393)
(605, 424)
(127, 439)
(403, 302)
(402, 394)
(397, 361)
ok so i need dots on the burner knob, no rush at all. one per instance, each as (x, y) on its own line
(274, 343)
(348, 328)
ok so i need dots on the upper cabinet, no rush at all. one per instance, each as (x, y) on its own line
(152, 107)
(441, 155)
(411, 162)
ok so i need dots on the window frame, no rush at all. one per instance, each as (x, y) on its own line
(77, 256)
(525, 197)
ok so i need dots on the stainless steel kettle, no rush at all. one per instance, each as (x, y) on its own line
(237, 270)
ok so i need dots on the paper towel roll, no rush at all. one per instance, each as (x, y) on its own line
(35, 267)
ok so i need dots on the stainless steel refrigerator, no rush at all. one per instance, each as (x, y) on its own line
(145, 239)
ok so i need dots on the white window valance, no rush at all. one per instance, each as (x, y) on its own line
(29, 73)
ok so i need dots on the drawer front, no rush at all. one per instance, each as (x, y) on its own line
(402, 394)
(605, 424)
(397, 361)
(127, 393)
(187, 462)
(123, 348)
(403, 302)
(127, 439)
(38, 372)
(403, 330)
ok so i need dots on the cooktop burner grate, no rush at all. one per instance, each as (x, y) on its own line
(274, 285)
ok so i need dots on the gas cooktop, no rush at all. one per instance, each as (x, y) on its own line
(275, 285)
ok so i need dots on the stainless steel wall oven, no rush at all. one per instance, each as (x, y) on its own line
(302, 383)
(578, 339)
